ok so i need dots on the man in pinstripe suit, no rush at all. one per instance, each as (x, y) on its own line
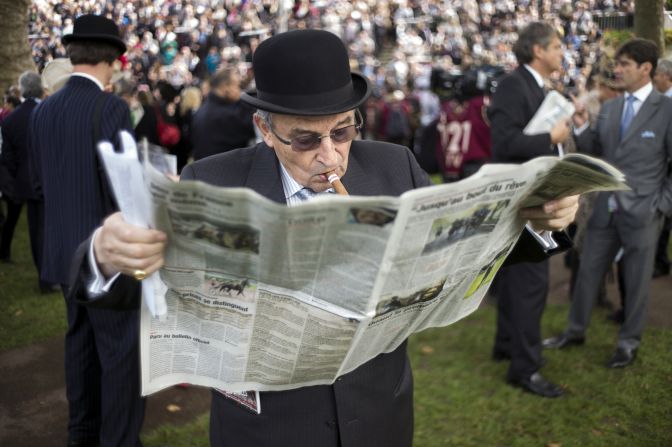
(104, 408)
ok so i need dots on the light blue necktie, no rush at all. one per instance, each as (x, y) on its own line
(628, 115)
(305, 194)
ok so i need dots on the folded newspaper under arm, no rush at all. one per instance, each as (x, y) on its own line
(554, 108)
(261, 296)
(125, 174)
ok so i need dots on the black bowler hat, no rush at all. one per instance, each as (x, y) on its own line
(92, 27)
(305, 72)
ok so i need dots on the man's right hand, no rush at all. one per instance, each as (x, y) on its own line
(122, 247)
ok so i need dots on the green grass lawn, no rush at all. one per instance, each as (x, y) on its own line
(461, 398)
(460, 395)
(26, 316)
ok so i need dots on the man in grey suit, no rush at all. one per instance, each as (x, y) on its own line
(634, 133)
(307, 100)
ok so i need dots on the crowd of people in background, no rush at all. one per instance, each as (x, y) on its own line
(397, 44)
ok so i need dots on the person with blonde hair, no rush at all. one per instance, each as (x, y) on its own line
(190, 102)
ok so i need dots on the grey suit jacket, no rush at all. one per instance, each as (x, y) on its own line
(643, 154)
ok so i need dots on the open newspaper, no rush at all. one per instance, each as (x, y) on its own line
(261, 296)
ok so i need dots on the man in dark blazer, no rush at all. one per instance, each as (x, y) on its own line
(101, 346)
(522, 288)
(307, 116)
(634, 133)
(15, 160)
(223, 122)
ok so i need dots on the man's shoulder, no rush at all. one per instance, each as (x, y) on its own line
(233, 165)
(378, 152)
(512, 84)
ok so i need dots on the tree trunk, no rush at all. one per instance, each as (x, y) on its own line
(15, 53)
(649, 21)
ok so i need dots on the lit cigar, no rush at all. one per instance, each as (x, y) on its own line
(336, 183)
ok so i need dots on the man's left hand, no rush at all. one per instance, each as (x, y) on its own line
(555, 215)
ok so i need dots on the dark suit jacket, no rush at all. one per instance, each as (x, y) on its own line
(66, 169)
(372, 405)
(15, 153)
(517, 98)
(220, 126)
(643, 154)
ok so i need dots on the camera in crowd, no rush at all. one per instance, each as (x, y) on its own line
(463, 85)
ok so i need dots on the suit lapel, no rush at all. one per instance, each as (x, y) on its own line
(537, 92)
(264, 175)
(613, 123)
(355, 180)
(643, 116)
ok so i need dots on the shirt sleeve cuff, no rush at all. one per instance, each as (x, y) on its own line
(97, 285)
(545, 238)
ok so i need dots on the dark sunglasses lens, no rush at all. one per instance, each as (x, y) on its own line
(344, 134)
(305, 142)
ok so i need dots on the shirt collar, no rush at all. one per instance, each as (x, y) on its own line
(642, 93)
(668, 93)
(90, 78)
(290, 185)
(537, 77)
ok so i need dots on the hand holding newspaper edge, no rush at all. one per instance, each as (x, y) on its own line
(554, 108)
(126, 178)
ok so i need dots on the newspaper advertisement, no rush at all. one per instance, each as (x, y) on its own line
(265, 297)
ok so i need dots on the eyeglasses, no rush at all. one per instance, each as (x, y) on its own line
(309, 141)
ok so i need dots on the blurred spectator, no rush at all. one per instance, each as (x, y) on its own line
(663, 83)
(11, 100)
(19, 189)
(190, 102)
(223, 122)
(55, 74)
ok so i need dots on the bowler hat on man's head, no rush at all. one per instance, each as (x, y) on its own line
(305, 72)
(91, 27)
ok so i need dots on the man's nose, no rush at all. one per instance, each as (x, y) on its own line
(327, 154)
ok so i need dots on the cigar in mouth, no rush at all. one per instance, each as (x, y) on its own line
(336, 183)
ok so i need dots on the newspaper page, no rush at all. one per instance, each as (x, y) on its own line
(266, 297)
(554, 108)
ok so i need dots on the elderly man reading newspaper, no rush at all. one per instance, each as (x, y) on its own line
(307, 101)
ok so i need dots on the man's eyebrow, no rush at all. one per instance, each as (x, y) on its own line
(298, 130)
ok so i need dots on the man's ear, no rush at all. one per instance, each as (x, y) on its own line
(647, 66)
(262, 125)
(536, 51)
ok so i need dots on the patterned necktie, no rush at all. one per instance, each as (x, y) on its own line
(628, 115)
(305, 194)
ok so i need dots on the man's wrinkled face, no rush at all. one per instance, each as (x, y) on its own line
(309, 167)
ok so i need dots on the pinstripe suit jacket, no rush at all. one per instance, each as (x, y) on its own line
(372, 405)
(65, 167)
